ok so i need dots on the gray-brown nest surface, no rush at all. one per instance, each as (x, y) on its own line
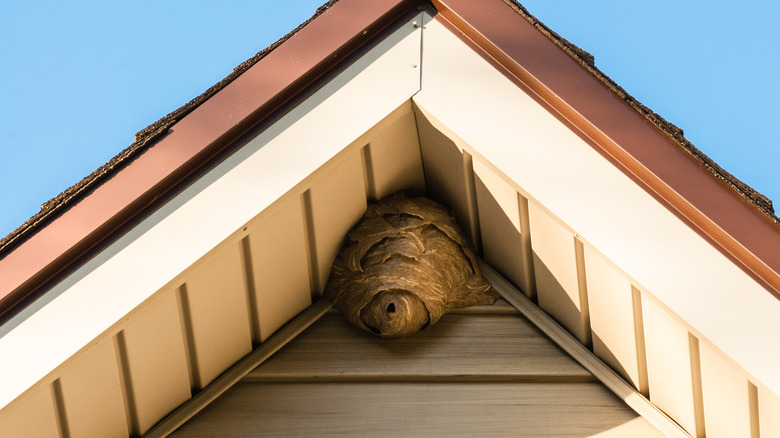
(403, 266)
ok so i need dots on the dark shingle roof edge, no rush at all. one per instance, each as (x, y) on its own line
(149, 135)
(143, 139)
(586, 60)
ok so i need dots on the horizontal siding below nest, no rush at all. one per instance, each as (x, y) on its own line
(409, 409)
(463, 347)
(483, 371)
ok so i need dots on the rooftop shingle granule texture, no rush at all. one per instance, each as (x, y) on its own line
(149, 135)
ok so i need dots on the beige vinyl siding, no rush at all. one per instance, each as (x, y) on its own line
(725, 396)
(92, 394)
(505, 231)
(279, 274)
(616, 320)
(343, 186)
(481, 371)
(392, 160)
(769, 413)
(157, 374)
(34, 414)
(672, 368)
(558, 287)
(214, 298)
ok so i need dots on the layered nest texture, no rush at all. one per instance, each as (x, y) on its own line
(404, 265)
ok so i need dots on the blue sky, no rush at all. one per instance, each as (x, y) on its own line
(80, 78)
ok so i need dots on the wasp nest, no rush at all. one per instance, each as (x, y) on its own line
(403, 266)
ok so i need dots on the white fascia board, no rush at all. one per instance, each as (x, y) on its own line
(99, 294)
(488, 115)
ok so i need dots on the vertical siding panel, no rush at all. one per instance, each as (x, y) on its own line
(92, 394)
(582, 285)
(185, 322)
(725, 393)
(396, 163)
(529, 277)
(338, 201)
(279, 264)
(251, 292)
(555, 267)
(59, 408)
(612, 317)
(156, 361)
(217, 303)
(31, 415)
(499, 218)
(637, 299)
(768, 413)
(698, 398)
(669, 366)
(755, 431)
(120, 349)
(315, 288)
(470, 196)
(445, 179)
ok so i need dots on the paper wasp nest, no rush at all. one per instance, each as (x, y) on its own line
(403, 266)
